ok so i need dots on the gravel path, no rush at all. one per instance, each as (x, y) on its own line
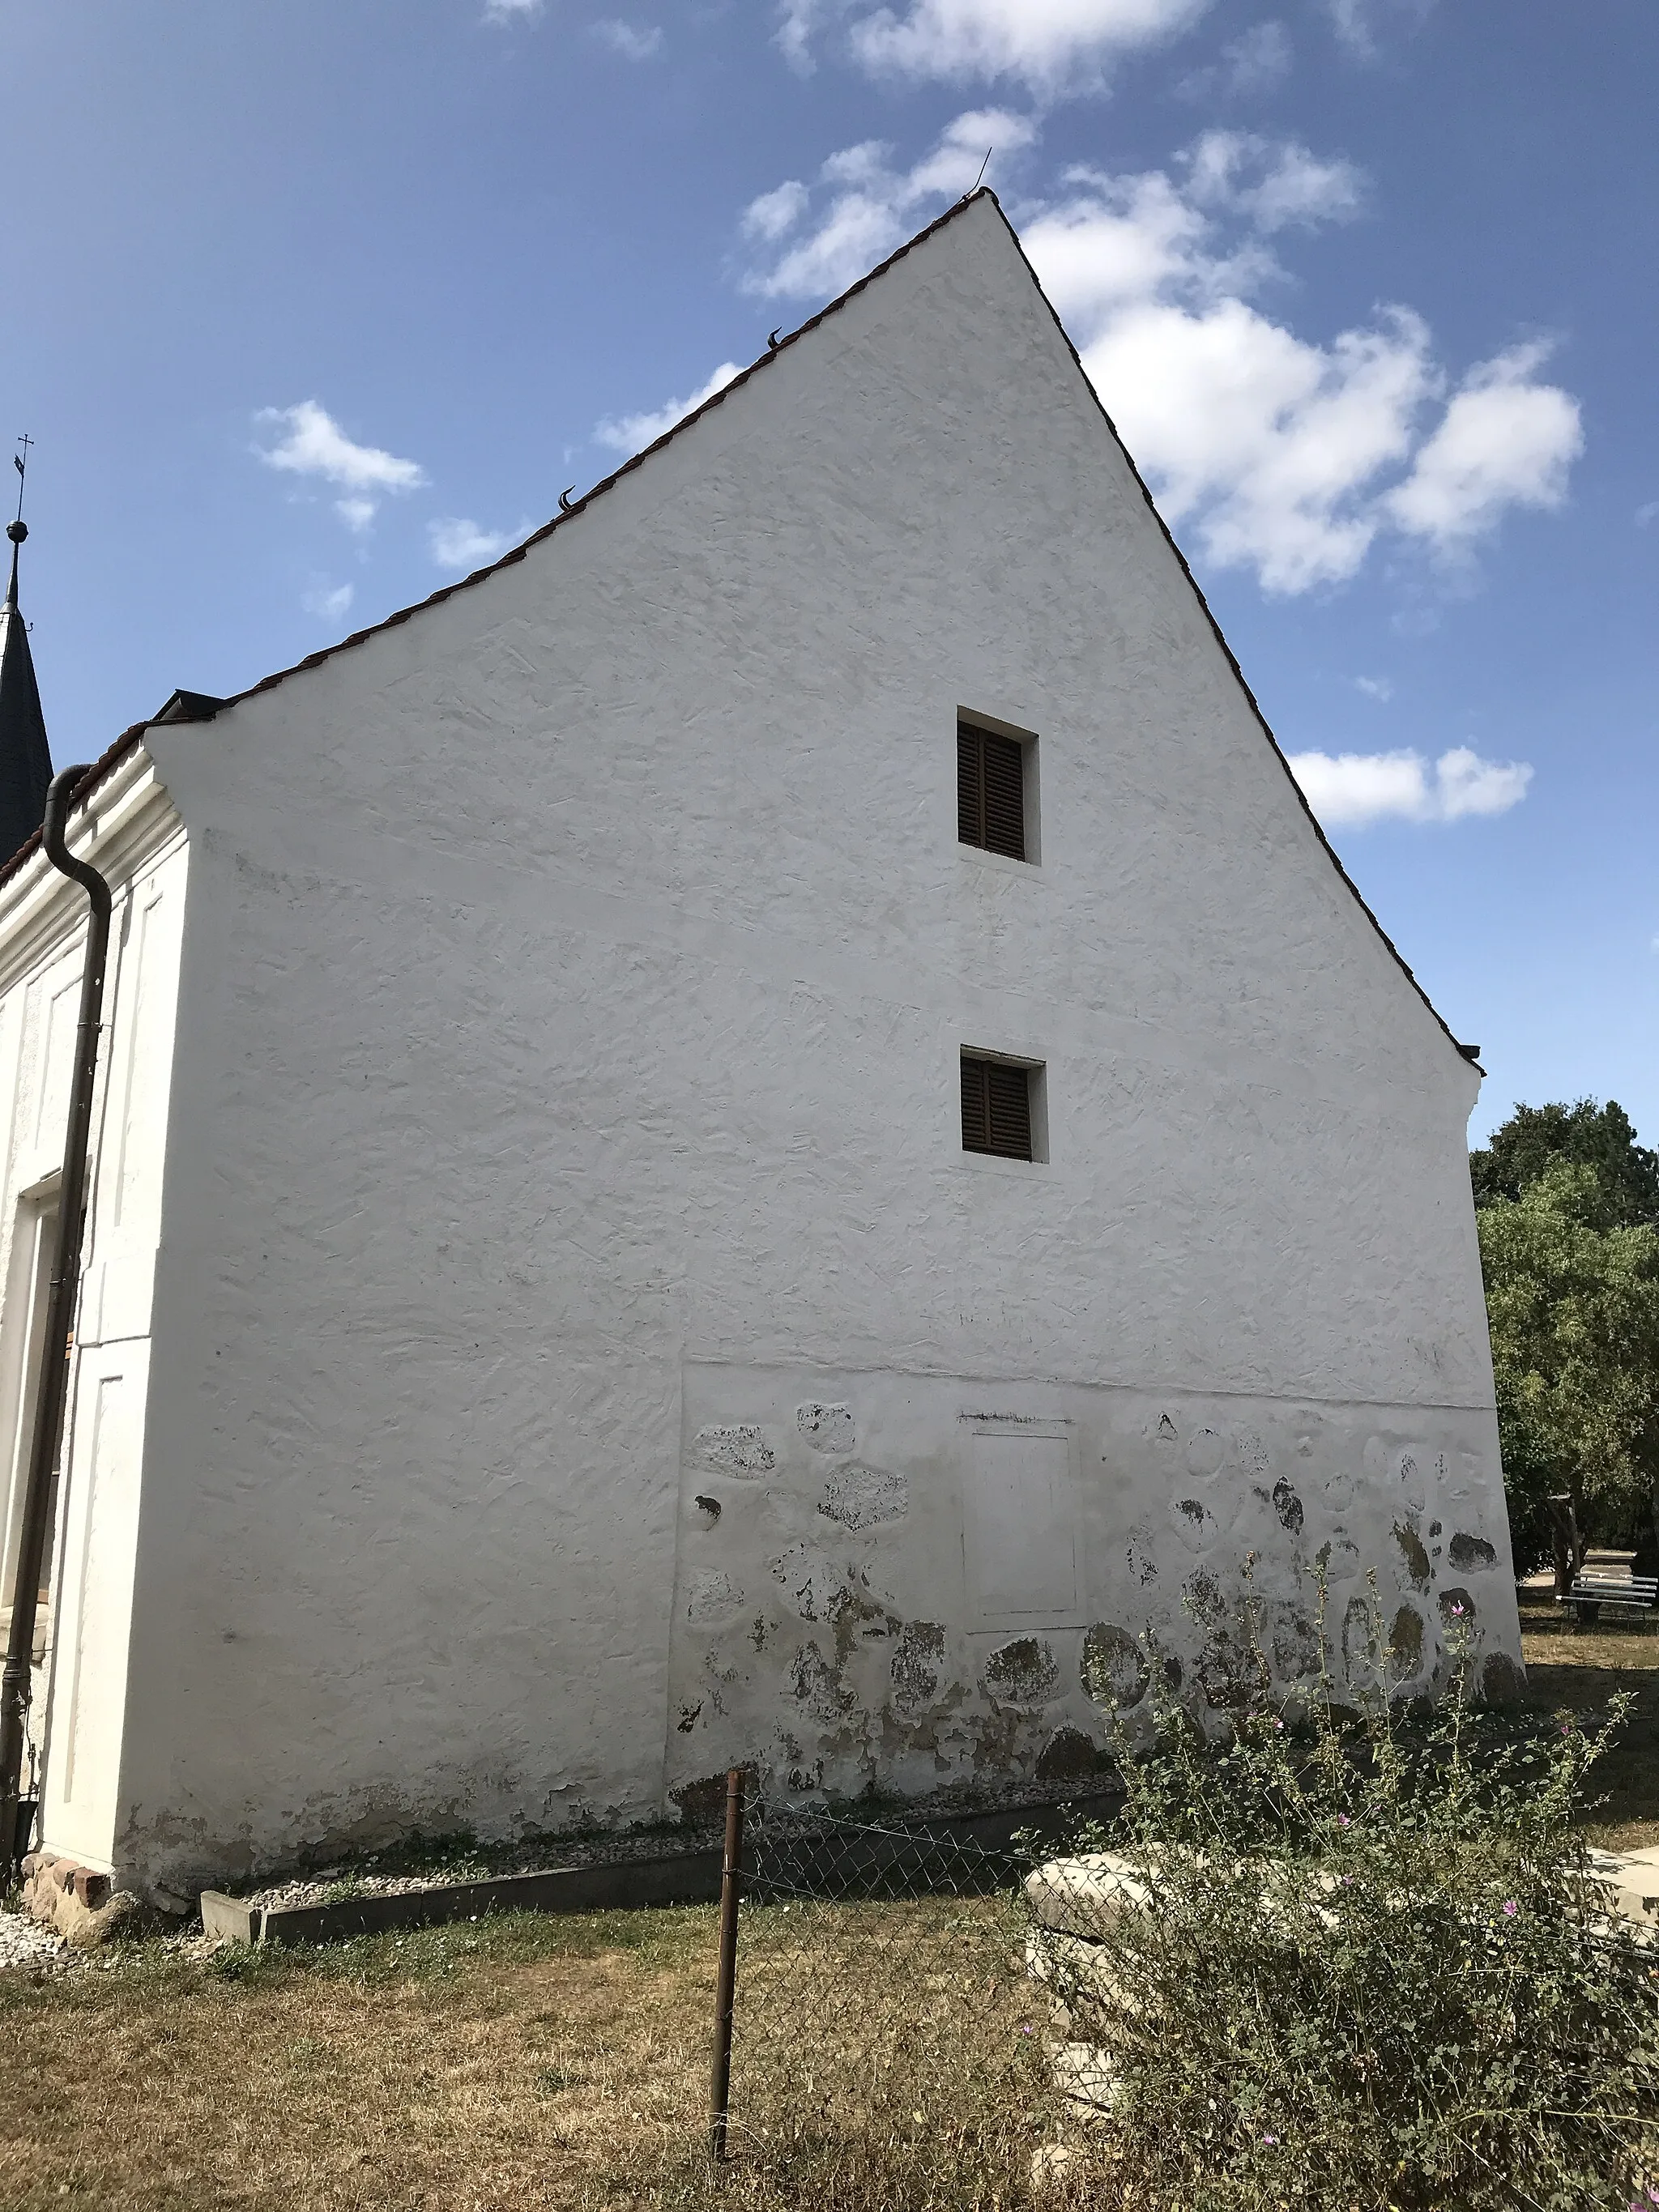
(25, 1942)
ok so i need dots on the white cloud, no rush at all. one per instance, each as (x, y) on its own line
(1503, 442)
(1051, 46)
(768, 218)
(1254, 62)
(1270, 183)
(313, 444)
(796, 21)
(1352, 789)
(633, 44)
(1042, 42)
(1356, 22)
(511, 11)
(1282, 454)
(631, 433)
(1645, 513)
(871, 207)
(328, 605)
(1375, 687)
(456, 543)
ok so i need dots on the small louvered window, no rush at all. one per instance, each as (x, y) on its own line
(990, 791)
(996, 1108)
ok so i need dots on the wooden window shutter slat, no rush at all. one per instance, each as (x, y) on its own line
(990, 791)
(996, 1108)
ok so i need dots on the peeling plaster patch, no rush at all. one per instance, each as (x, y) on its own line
(1227, 1672)
(1456, 1605)
(817, 1586)
(1412, 1551)
(709, 1592)
(1194, 1521)
(818, 1686)
(1411, 1481)
(703, 1800)
(1288, 1506)
(1340, 1559)
(709, 1510)
(1293, 1642)
(739, 1450)
(1502, 1682)
(1468, 1554)
(1255, 1453)
(1166, 1430)
(1405, 1644)
(1206, 1450)
(689, 1716)
(1114, 1667)
(826, 1428)
(916, 1664)
(1022, 1673)
(862, 1496)
(1142, 1557)
(1068, 1752)
(1360, 1657)
(1204, 1599)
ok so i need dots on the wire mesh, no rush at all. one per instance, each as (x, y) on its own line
(883, 1995)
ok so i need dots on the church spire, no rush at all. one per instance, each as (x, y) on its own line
(25, 760)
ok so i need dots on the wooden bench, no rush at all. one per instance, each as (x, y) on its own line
(1591, 1591)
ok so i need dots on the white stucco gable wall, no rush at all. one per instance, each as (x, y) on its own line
(572, 1004)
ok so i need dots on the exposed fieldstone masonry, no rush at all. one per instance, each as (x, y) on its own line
(965, 1597)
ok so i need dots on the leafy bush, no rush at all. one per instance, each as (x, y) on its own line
(1371, 1971)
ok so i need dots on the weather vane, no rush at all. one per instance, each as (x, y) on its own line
(21, 463)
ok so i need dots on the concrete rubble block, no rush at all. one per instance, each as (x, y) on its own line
(1633, 1878)
(80, 1903)
(1083, 1896)
(1078, 1976)
(1085, 2077)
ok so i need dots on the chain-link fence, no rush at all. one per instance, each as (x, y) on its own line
(883, 2010)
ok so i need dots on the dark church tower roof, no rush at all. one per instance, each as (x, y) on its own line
(25, 761)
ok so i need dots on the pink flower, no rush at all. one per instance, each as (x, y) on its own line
(1342, 1820)
(1511, 1909)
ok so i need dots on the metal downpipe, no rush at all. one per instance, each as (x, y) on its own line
(51, 1374)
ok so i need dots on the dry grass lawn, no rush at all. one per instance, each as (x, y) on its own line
(521, 2063)
(524, 2062)
(1580, 1669)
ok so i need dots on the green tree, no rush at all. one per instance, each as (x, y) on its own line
(1535, 1137)
(1572, 1298)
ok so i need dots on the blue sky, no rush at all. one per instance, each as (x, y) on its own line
(309, 308)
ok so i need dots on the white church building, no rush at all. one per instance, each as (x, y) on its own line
(761, 1133)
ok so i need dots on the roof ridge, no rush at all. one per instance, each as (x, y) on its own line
(131, 735)
(606, 483)
(774, 348)
(1466, 1051)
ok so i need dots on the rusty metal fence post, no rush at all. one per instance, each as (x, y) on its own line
(726, 1986)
